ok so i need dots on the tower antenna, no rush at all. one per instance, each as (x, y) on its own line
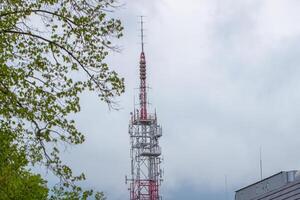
(260, 163)
(142, 32)
(226, 188)
(143, 90)
(145, 151)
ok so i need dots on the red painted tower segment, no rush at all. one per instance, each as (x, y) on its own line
(143, 89)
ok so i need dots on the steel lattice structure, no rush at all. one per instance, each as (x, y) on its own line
(145, 152)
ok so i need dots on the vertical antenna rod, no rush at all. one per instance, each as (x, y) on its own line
(260, 163)
(142, 33)
(226, 188)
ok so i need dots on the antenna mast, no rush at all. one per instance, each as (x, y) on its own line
(260, 163)
(142, 33)
(145, 151)
(226, 188)
(143, 90)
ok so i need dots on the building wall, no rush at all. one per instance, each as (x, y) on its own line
(281, 186)
(289, 192)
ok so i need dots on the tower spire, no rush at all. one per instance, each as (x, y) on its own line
(143, 91)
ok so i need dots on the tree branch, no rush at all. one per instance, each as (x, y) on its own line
(37, 11)
(61, 47)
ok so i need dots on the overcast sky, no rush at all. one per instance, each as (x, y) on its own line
(225, 81)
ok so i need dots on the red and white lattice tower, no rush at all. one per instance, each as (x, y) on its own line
(145, 152)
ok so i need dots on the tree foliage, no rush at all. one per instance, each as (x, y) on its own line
(50, 52)
(16, 182)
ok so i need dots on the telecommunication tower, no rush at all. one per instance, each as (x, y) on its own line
(145, 152)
